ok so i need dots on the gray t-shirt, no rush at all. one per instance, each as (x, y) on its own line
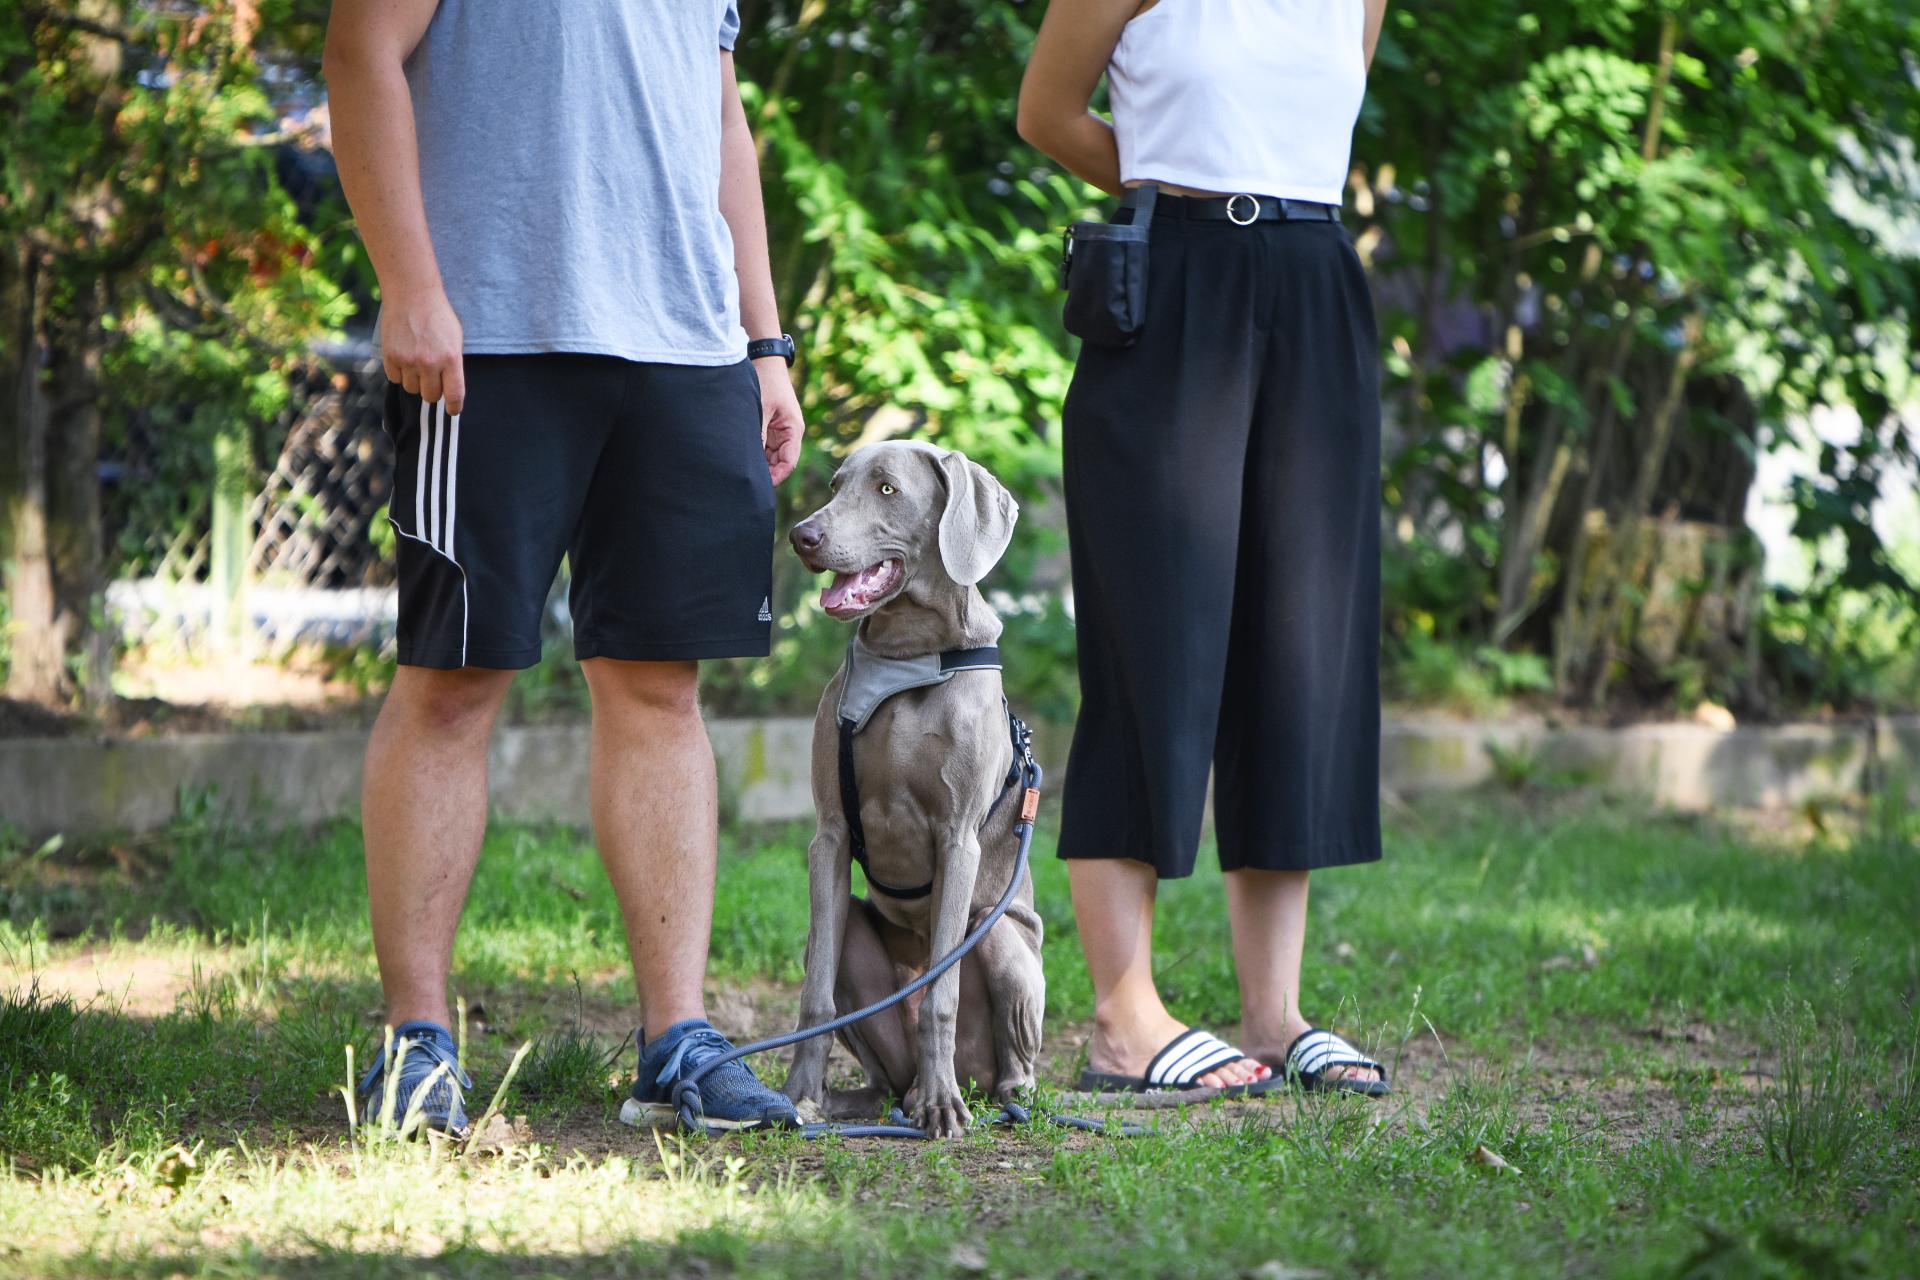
(570, 163)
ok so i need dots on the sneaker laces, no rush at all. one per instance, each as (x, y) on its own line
(426, 1049)
(697, 1047)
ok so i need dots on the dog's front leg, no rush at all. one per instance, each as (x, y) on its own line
(939, 1109)
(829, 891)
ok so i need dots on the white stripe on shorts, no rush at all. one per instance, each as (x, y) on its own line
(433, 490)
(453, 479)
(420, 479)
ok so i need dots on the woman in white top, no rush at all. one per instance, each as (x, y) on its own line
(1222, 462)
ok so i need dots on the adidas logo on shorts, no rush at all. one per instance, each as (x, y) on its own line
(766, 609)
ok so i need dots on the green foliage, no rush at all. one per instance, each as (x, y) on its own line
(913, 232)
(1732, 206)
(914, 240)
(1844, 649)
(1515, 672)
(1562, 205)
(1429, 671)
(139, 176)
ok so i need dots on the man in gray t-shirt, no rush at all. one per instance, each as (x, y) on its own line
(561, 199)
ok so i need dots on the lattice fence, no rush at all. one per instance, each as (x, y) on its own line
(328, 470)
(313, 520)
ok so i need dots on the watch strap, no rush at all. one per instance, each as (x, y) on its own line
(782, 346)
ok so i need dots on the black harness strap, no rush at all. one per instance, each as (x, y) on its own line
(987, 656)
(857, 834)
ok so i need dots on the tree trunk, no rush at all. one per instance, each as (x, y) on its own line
(54, 342)
(37, 669)
(1569, 646)
(1613, 600)
(1527, 528)
(73, 495)
(15, 318)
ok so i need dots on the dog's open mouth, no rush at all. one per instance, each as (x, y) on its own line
(851, 594)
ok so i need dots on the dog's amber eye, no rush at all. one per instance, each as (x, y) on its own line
(887, 489)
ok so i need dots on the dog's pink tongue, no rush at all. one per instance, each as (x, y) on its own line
(837, 594)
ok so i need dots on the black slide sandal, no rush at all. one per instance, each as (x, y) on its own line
(1179, 1065)
(1316, 1049)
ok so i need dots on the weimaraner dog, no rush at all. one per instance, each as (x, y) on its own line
(909, 531)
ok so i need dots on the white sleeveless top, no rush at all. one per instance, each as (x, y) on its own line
(1240, 95)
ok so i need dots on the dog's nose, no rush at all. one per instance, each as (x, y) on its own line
(806, 537)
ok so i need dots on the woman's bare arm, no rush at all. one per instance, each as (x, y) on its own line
(1376, 14)
(1069, 56)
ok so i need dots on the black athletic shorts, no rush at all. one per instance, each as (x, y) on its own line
(649, 478)
(1223, 511)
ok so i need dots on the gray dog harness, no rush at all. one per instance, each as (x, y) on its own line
(870, 681)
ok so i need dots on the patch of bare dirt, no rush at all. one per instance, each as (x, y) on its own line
(209, 695)
(139, 982)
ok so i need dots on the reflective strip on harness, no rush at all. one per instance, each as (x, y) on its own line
(871, 678)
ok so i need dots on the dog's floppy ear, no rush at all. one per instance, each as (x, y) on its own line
(978, 521)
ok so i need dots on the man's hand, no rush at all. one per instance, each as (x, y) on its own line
(740, 205)
(420, 342)
(368, 43)
(780, 423)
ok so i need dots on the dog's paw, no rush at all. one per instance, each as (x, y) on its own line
(1013, 1088)
(805, 1086)
(942, 1113)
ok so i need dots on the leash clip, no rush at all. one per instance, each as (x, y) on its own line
(1251, 218)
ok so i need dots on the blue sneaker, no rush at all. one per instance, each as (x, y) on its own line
(730, 1098)
(428, 1045)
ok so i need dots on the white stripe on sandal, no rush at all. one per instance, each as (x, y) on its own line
(1318, 1049)
(1187, 1057)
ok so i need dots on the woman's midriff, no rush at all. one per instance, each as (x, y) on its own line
(1174, 189)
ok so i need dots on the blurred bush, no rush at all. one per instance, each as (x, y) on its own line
(1619, 252)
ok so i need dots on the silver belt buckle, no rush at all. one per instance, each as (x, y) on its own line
(1251, 218)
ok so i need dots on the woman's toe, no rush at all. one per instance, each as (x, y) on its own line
(1240, 1071)
(1343, 1071)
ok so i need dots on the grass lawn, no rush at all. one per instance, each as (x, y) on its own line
(1693, 1044)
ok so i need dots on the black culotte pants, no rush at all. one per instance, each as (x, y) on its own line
(1223, 510)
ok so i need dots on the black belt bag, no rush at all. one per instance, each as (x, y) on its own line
(1104, 272)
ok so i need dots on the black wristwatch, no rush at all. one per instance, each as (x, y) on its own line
(781, 346)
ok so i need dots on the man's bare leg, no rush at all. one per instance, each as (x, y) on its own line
(655, 816)
(423, 805)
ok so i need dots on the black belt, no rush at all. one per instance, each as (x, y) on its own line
(1243, 210)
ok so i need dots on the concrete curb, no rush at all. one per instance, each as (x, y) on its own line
(88, 786)
(1676, 766)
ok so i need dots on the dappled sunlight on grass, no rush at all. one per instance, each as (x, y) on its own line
(408, 1201)
(1592, 1000)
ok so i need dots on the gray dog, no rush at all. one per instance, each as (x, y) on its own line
(909, 531)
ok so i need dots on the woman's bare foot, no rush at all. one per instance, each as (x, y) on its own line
(1274, 1050)
(1126, 1046)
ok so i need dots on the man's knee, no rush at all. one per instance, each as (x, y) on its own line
(450, 703)
(669, 689)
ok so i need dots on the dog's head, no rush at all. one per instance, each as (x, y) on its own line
(903, 512)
